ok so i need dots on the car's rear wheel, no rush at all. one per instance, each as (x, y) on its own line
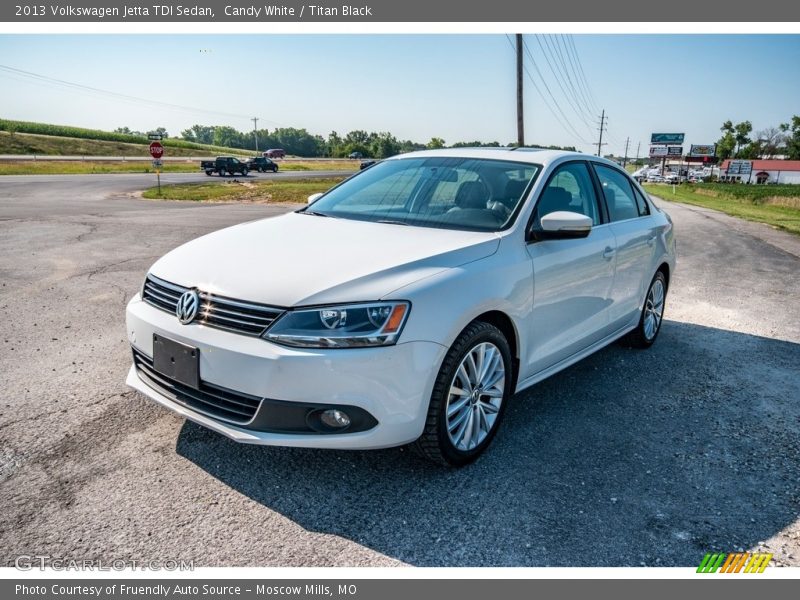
(652, 315)
(245, 172)
(469, 397)
(209, 172)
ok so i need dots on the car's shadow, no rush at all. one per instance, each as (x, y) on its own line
(626, 458)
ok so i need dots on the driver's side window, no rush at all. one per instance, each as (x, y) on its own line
(570, 189)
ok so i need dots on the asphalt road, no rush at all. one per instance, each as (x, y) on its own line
(628, 458)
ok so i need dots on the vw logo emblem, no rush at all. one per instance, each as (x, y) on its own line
(186, 310)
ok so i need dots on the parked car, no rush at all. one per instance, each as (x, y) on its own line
(655, 179)
(366, 163)
(224, 165)
(262, 164)
(275, 153)
(411, 312)
(355, 155)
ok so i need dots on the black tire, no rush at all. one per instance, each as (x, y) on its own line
(245, 172)
(275, 169)
(222, 173)
(209, 172)
(435, 443)
(642, 337)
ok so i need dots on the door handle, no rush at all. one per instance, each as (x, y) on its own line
(608, 252)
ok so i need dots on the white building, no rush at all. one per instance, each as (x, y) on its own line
(764, 171)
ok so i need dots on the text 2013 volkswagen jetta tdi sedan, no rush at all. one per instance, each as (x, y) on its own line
(407, 304)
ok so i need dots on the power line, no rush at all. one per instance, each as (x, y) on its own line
(569, 125)
(582, 72)
(572, 104)
(44, 79)
(557, 55)
(544, 100)
(574, 69)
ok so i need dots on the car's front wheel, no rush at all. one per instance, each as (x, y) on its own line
(469, 397)
(652, 314)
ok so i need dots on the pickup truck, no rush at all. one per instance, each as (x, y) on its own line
(224, 165)
(261, 164)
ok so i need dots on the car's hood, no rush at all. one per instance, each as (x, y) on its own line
(298, 259)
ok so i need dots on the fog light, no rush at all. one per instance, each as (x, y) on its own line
(334, 418)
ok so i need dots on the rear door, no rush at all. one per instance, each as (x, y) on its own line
(572, 278)
(635, 232)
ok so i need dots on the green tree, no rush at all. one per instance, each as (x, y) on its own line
(742, 134)
(384, 145)
(727, 143)
(792, 138)
(436, 143)
(202, 134)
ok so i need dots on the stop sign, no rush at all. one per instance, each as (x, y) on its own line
(156, 150)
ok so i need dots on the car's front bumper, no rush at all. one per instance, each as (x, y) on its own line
(393, 384)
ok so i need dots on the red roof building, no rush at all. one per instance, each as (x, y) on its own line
(763, 171)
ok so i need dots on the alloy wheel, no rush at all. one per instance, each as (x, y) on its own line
(475, 396)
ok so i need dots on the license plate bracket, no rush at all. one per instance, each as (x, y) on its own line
(176, 360)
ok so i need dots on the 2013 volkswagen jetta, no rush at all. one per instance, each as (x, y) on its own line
(405, 305)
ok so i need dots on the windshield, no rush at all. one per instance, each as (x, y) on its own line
(449, 193)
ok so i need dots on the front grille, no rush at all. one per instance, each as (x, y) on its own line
(211, 400)
(215, 311)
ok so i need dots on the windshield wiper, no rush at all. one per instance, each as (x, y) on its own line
(392, 222)
(312, 212)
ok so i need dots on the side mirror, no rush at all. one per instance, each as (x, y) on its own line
(314, 197)
(561, 225)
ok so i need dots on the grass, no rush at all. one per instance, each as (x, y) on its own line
(49, 145)
(235, 190)
(64, 167)
(76, 167)
(775, 205)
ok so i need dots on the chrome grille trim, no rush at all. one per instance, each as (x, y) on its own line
(220, 312)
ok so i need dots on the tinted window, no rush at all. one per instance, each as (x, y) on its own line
(641, 203)
(618, 193)
(570, 189)
(452, 193)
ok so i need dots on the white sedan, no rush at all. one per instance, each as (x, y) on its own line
(405, 305)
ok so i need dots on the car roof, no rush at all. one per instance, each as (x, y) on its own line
(540, 156)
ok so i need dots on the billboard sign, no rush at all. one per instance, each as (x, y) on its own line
(703, 150)
(674, 151)
(740, 167)
(666, 138)
(658, 151)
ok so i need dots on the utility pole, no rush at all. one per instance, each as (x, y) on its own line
(255, 130)
(603, 120)
(625, 159)
(638, 146)
(520, 119)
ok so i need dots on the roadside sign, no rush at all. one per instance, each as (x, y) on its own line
(158, 163)
(658, 151)
(675, 151)
(156, 150)
(157, 137)
(703, 150)
(740, 167)
(666, 138)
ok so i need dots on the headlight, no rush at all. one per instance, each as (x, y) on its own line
(350, 326)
